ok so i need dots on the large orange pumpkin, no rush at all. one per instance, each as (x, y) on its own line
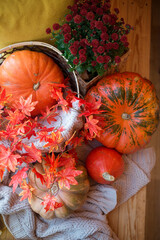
(131, 110)
(29, 72)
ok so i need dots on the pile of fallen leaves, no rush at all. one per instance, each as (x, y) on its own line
(19, 158)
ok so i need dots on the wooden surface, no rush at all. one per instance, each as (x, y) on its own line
(128, 221)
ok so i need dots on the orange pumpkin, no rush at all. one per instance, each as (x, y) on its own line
(28, 72)
(131, 110)
(104, 165)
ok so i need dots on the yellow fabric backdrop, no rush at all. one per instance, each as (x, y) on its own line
(27, 20)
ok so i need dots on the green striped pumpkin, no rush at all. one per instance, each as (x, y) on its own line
(131, 110)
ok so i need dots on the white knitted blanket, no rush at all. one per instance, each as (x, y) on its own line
(89, 222)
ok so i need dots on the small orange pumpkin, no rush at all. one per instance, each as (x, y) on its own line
(104, 165)
(71, 198)
(28, 72)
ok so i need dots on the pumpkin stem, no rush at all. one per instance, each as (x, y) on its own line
(36, 86)
(54, 189)
(126, 116)
(108, 177)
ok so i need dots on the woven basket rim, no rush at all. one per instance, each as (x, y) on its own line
(41, 44)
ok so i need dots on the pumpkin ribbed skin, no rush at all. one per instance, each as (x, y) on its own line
(131, 110)
(28, 72)
(71, 198)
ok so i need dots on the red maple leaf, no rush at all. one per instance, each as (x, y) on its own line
(9, 133)
(92, 127)
(39, 175)
(29, 128)
(26, 106)
(49, 115)
(67, 177)
(8, 159)
(52, 162)
(43, 133)
(27, 191)
(71, 97)
(18, 178)
(91, 107)
(50, 203)
(33, 153)
(56, 91)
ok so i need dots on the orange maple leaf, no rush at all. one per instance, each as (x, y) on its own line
(26, 106)
(27, 191)
(67, 177)
(8, 159)
(54, 139)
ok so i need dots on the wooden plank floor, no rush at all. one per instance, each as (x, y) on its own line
(128, 221)
(139, 218)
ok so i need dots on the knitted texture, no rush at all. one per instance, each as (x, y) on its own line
(89, 222)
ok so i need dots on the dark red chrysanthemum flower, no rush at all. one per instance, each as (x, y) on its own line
(83, 12)
(100, 49)
(99, 11)
(117, 59)
(99, 25)
(78, 19)
(95, 43)
(104, 29)
(107, 59)
(66, 28)
(123, 39)
(82, 58)
(67, 37)
(48, 30)
(76, 44)
(114, 36)
(73, 50)
(75, 61)
(69, 17)
(100, 59)
(104, 36)
(115, 45)
(90, 16)
(108, 46)
(106, 18)
(82, 52)
(56, 26)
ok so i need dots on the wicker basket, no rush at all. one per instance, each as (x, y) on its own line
(85, 86)
(49, 50)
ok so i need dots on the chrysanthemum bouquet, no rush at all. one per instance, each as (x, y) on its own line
(91, 37)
